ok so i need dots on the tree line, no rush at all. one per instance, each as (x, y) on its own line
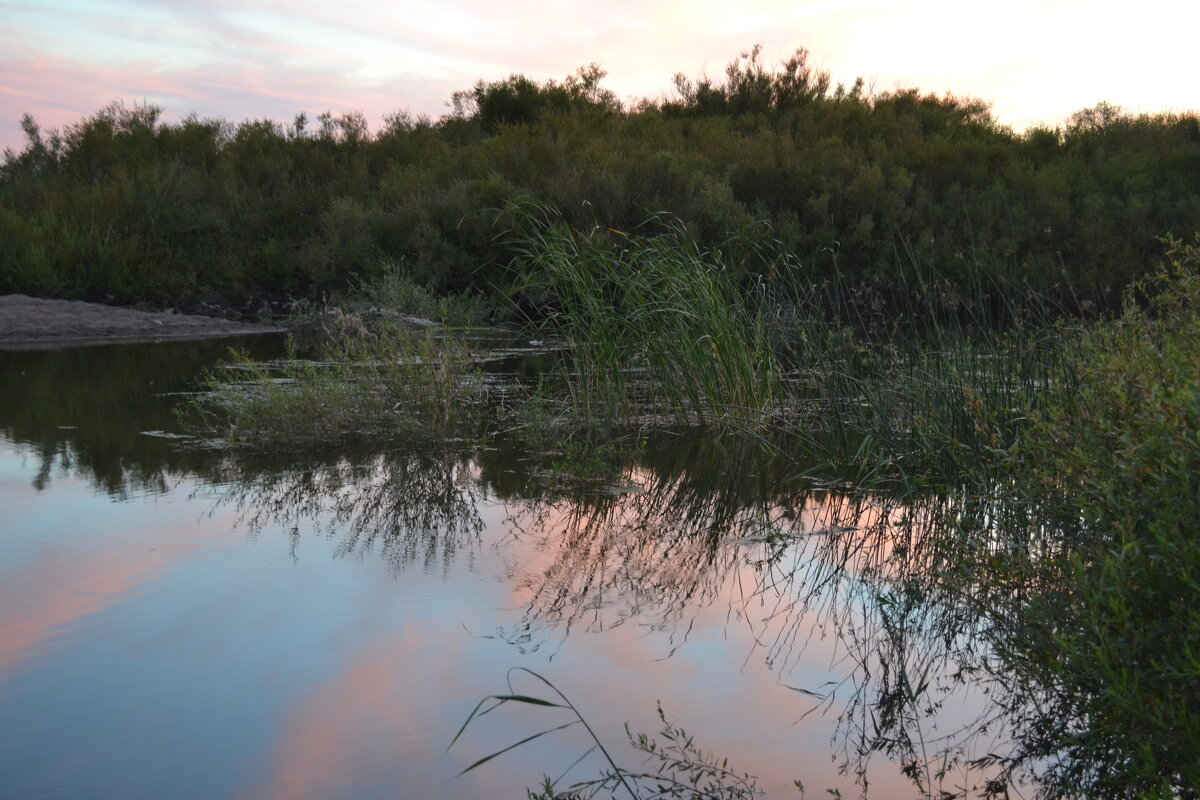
(865, 188)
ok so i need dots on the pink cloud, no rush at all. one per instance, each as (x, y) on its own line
(59, 588)
(1040, 60)
(59, 92)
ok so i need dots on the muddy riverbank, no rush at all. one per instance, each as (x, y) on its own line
(30, 323)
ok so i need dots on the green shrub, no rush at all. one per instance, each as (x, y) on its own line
(1106, 644)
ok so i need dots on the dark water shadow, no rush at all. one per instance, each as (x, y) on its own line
(106, 413)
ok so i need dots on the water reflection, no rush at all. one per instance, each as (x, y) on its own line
(842, 599)
(688, 529)
(855, 577)
(406, 505)
(83, 411)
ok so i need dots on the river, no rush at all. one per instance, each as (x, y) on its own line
(177, 621)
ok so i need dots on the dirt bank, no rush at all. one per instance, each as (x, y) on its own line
(28, 323)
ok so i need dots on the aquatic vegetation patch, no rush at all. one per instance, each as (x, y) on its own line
(392, 383)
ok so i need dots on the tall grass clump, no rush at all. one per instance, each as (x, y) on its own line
(389, 382)
(654, 326)
(909, 394)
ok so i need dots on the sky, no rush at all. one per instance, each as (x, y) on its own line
(1035, 61)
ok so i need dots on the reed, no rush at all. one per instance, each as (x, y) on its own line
(921, 392)
(655, 327)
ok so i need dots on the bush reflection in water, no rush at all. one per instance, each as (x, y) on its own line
(409, 506)
(686, 526)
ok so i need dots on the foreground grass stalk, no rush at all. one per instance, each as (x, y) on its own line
(684, 770)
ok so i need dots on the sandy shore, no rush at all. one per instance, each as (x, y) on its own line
(28, 323)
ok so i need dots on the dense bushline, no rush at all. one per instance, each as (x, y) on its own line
(870, 188)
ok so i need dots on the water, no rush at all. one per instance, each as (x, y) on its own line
(182, 622)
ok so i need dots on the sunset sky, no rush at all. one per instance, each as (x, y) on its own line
(1036, 61)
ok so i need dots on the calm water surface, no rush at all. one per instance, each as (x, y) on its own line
(181, 622)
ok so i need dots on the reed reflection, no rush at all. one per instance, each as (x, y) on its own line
(854, 576)
(407, 505)
(691, 531)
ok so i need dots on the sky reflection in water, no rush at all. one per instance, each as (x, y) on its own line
(180, 622)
